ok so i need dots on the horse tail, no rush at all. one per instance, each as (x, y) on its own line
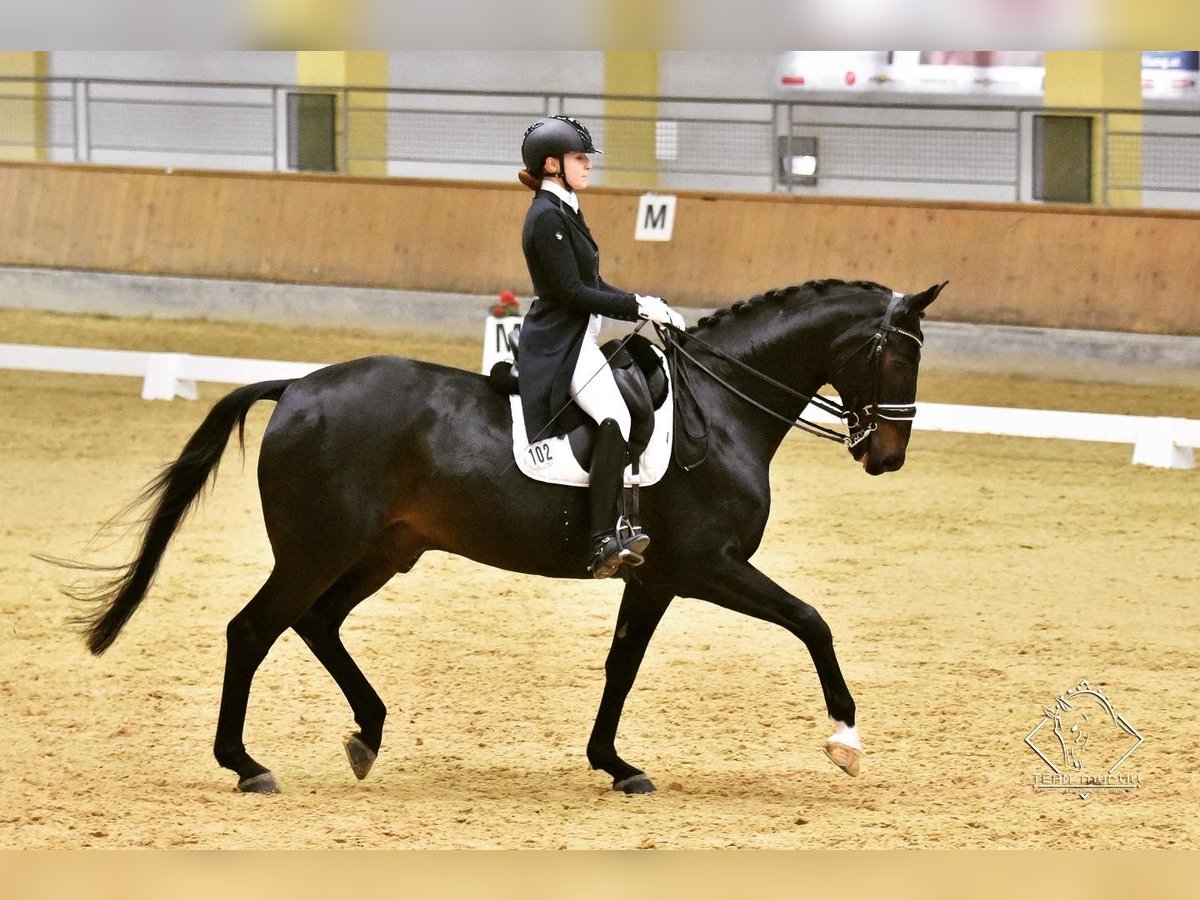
(174, 493)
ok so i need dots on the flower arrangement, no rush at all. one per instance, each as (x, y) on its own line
(507, 306)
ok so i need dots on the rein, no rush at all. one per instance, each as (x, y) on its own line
(859, 423)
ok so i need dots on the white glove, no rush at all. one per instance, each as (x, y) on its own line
(656, 310)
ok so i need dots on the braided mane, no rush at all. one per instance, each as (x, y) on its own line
(818, 288)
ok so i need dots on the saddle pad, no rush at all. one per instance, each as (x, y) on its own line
(551, 459)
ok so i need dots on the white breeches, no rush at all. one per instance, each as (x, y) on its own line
(593, 385)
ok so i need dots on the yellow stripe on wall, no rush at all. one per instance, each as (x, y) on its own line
(1096, 79)
(362, 121)
(630, 125)
(23, 123)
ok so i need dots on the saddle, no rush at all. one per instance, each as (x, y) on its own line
(639, 369)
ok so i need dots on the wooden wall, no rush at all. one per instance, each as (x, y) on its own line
(1010, 264)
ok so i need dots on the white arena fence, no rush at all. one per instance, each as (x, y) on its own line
(1157, 441)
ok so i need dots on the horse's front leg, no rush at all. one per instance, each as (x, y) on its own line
(641, 610)
(738, 586)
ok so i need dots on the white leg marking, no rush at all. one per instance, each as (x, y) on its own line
(846, 734)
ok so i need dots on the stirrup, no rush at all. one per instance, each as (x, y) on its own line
(624, 547)
(630, 534)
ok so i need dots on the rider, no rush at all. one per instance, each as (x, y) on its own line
(560, 357)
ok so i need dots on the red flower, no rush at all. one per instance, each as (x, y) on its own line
(507, 306)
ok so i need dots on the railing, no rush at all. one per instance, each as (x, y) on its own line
(928, 150)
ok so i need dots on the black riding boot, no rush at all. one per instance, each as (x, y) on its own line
(614, 542)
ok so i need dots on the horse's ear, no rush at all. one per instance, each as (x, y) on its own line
(918, 302)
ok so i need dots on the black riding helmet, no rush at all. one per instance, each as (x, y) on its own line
(554, 136)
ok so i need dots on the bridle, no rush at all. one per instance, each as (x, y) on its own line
(859, 422)
(864, 420)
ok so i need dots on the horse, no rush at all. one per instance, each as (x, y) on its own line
(367, 464)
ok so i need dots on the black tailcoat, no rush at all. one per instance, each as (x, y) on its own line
(564, 264)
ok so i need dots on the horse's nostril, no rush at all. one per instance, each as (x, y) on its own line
(890, 463)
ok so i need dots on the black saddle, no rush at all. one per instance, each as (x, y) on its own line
(641, 378)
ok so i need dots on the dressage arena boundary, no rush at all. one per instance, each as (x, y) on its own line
(165, 376)
(1159, 441)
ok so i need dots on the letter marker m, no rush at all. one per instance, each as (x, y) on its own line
(655, 218)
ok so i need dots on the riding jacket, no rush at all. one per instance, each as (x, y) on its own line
(564, 264)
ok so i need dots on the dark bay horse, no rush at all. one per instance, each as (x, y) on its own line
(367, 464)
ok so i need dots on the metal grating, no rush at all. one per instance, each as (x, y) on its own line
(716, 147)
(892, 148)
(1154, 162)
(60, 114)
(914, 154)
(459, 137)
(28, 121)
(189, 127)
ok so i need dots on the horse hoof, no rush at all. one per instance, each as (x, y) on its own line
(259, 784)
(635, 784)
(844, 757)
(360, 755)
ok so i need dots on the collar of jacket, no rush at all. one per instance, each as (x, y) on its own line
(567, 197)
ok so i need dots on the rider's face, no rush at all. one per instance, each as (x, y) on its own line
(578, 167)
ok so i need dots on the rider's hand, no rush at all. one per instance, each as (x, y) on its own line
(655, 309)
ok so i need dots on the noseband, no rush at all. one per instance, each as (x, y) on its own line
(859, 422)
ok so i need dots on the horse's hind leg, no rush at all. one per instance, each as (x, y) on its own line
(641, 610)
(319, 628)
(278, 604)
